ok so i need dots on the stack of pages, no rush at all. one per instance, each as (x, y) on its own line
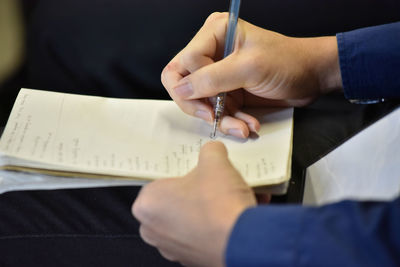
(96, 137)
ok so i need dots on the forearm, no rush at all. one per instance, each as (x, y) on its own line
(323, 62)
(363, 62)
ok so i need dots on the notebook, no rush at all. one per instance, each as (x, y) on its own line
(74, 135)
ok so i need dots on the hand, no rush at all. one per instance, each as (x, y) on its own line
(189, 219)
(265, 69)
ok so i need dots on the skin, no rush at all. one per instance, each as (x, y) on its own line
(189, 219)
(176, 213)
(265, 69)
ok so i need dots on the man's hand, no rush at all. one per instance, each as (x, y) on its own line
(265, 69)
(189, 219)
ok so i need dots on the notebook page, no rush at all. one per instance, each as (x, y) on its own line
(140, 138)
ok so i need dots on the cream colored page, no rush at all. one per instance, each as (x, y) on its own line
(140, 138)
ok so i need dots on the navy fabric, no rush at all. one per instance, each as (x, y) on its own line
(370, 62)
(342, 234)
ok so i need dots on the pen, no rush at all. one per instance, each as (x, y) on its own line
(234, 7)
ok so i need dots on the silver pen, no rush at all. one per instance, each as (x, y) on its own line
(234, 7)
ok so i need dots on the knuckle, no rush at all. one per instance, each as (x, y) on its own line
(165, 73)
(147, 236)
(164, 78)
(189, 60)
(137, 210)
(143, 206)
(167, 255)
(215, 16)
(170, 67)
(187, 107)
(143, 231)
(166, 69)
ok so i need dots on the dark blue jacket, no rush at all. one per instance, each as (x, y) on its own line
(347, 233)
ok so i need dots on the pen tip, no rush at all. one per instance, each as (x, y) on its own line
(213, 134)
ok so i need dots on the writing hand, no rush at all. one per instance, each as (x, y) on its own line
(265, 69)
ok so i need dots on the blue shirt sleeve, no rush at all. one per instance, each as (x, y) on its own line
(343, 234)
(370, 62)
(347, 233)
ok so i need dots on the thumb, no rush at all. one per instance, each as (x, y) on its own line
(216, 171)
(225, 75)
(213, 153)
(213, 158)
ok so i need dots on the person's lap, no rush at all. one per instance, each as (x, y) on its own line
(75, 227)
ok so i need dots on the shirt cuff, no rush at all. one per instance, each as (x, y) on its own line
(369, 62)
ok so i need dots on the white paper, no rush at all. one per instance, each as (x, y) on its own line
(366, 167)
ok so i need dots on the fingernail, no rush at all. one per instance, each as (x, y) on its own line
(252, 127)
(184, 90)
(236, 132)
(202, 114)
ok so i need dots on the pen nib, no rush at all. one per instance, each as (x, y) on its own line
(219, 110)
(213, 134)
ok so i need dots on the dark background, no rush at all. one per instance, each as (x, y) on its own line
(118, 48)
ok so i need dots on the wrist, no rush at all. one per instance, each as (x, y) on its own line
(324, 63)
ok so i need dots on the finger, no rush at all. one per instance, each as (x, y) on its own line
(239, 125)
(167, 255)
(225, 75)
(252, 123)
(199, 57)
(213, 151)
(164, 245)
(198, 108)
(194, 60)
(214, 157)
(144, 209)
(152, 239)
(207, 45)
(172, 74)
(202, 49)
(148, 207)
(235, 122)
(138, 209)
(233, 108)
(148, 236)
(177, 256)
(235, 127)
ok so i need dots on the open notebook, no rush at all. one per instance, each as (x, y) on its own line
(87, 136)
